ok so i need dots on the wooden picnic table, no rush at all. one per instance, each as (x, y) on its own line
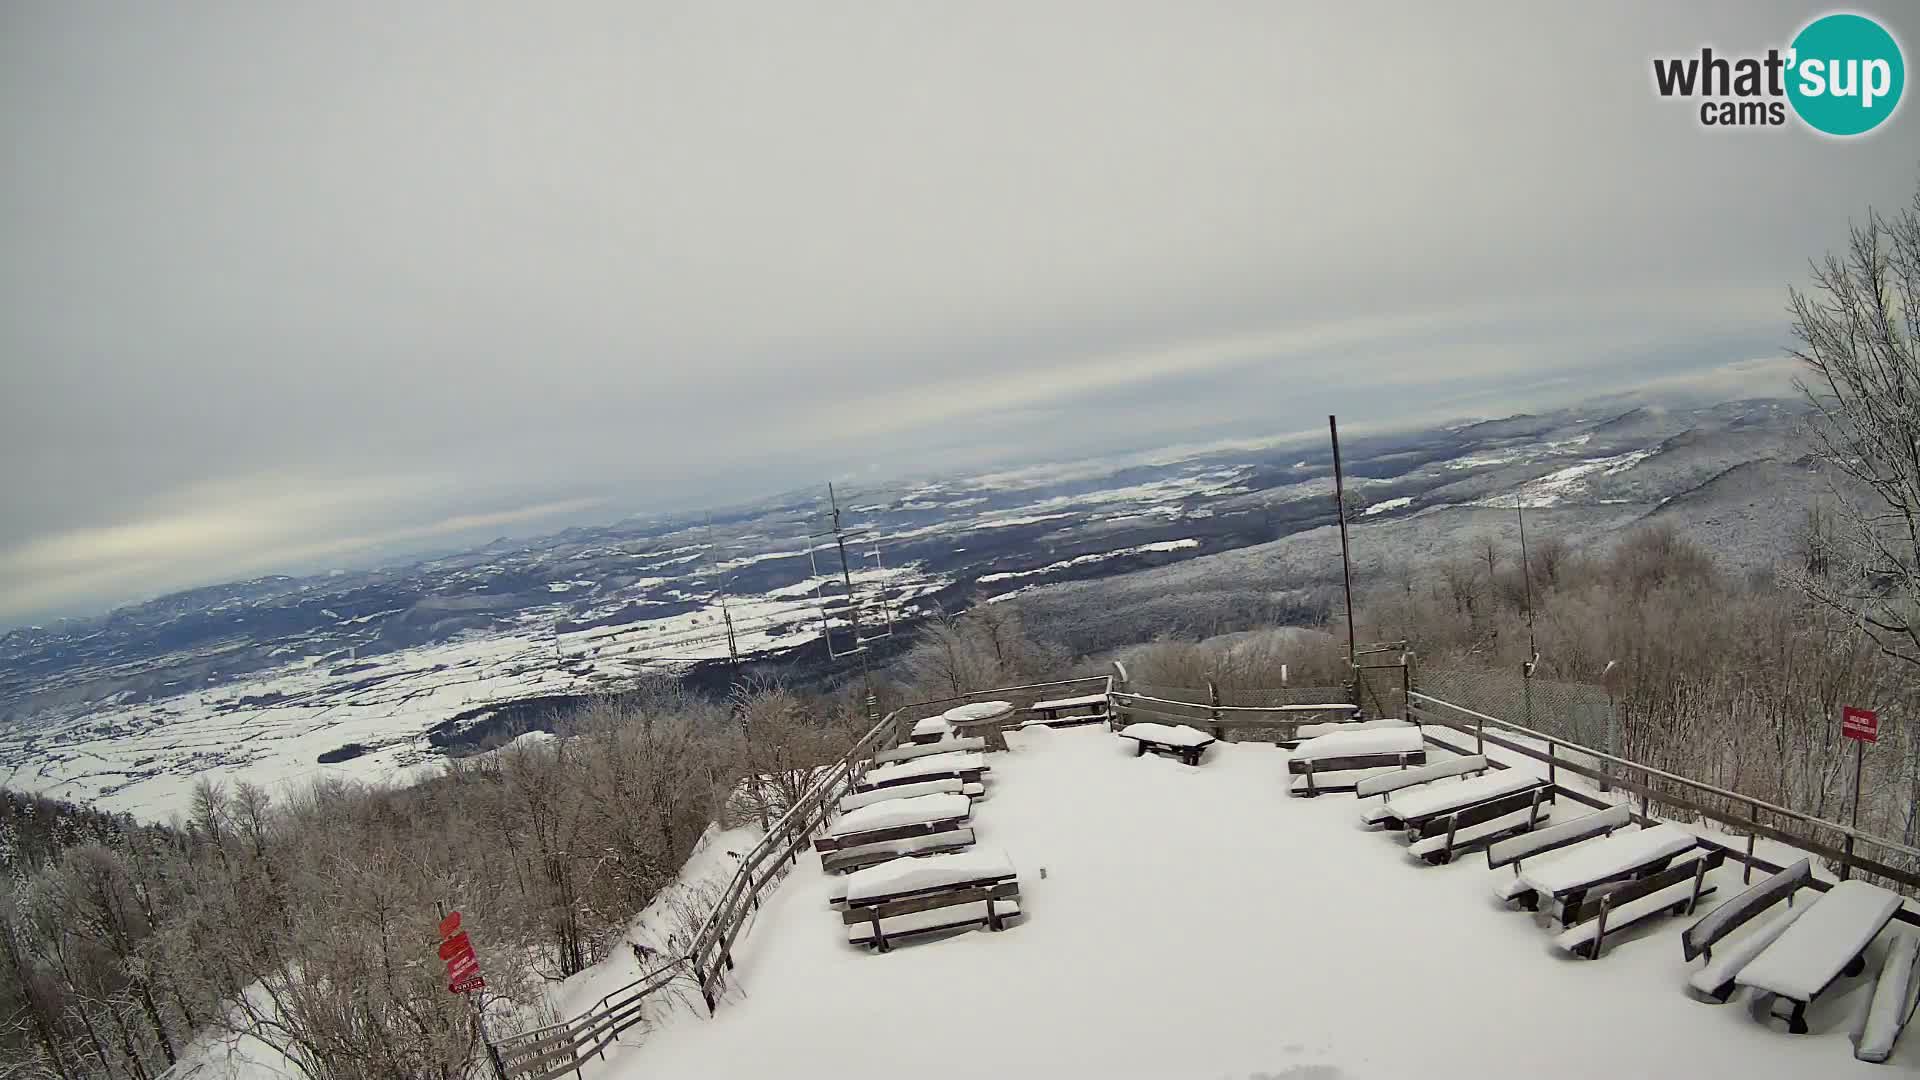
(1060, 710)
(1184, 742)
(1827, 941)
(1623, 856)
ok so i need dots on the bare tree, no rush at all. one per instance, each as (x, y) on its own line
(1857, 327)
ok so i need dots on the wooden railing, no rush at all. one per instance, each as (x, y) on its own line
(554, 1050)
(1804, 832)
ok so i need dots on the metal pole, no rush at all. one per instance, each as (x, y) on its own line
(1846, 864)
(1346, 561)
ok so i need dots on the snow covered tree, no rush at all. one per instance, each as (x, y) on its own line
(1857, 328)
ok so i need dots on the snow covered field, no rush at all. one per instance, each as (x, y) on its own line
(1198, 922)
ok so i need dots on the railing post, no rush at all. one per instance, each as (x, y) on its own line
(1552, 778)
(1479, 735)
(1746, 872)
(1213, 707)
(1846, 858)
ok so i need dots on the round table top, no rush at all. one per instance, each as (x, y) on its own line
(978, 712)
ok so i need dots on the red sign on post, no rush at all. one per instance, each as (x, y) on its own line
(1860, 724)
(463, 967)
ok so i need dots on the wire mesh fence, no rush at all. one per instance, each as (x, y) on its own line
(1578, 712)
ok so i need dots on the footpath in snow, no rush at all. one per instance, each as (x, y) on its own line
(1198, 922)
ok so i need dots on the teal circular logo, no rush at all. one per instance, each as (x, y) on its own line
(1846, 74)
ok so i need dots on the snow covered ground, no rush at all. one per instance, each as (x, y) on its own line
(1198, 922)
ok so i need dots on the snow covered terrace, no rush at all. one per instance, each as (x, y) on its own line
(1199, 922)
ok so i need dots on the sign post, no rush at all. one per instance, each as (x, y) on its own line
(463, 977)
(1863, 727)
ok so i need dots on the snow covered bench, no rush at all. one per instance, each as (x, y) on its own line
(1828, 941)
(849, 859)
(1383, 784)
(1676, 889)
(930, 730)
(1438, 837)
(1064, 711)
(919, 750)
(1699, 939)
(922, 895)
(1514, 850)
(968, 767)
(1624, 856)
(1411, 808)
(1179, 740)
(1303, 732)
(1351, 751)
(944, 786)
(896, 819)
(1892, 1000)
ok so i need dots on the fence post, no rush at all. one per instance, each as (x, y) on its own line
(1746, 872)
(1479, 734)
(1552, 778)
(1846, 858)
(1213, 707)
(1119, 687)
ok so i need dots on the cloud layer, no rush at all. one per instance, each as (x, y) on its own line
(285, 285)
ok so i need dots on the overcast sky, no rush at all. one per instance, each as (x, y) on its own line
(286, 285)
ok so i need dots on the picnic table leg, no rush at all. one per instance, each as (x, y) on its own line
(1856, 965)
(1797, 1023)
(1140, 748)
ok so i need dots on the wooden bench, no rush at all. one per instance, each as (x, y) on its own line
(912, 751)
(1826, 943)
(1383, 784)
(1622, 857)
(1438, 837)
(1178, 740)
(849, 859)
(1676, 888)
(918, 896)
(1515, 850)
(1061, 711)
(1891, 1006)
(1715, 980)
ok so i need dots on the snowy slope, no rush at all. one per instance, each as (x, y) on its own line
(1197, 922)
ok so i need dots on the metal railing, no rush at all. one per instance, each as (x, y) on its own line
(554, 1050)
(1658, 786)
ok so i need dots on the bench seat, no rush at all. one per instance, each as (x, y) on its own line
(1715, 980)
(1186, 743)
(926, 922)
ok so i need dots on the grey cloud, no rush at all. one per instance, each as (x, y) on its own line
(669, 253)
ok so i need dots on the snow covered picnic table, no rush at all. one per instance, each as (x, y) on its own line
(1061, 710)
(927, 873)
(1414, 805)
(1352, 751)
(1828, 940)
(891, 813)
(942, 786)
(936, 892)
(930, 730)
(1362, 742)
(896, 819)
(984, 717)
(1625, 854)
(1184, 742)
(966, 766)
